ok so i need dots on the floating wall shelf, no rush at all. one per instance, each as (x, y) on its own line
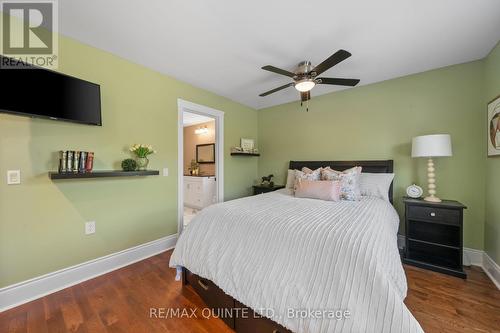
(102, 174)
(244, 154)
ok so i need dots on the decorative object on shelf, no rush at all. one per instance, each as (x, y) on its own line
(142, 152)
(267, 181)
(205, 153)
(437, 145)
(82, 161)
(247, 145)
(89, 163)
(414, 191)
(129, 164)
(142, 163)
(63, 161)
(194, 169)
(247, 148)
(69, 161)
(75, 161)
(494, 127)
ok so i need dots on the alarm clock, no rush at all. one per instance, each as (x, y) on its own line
(414, 191)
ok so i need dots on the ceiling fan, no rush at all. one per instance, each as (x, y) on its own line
(305, 76)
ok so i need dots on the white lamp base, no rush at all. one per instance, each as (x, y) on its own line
(432, 199)
(431, 180)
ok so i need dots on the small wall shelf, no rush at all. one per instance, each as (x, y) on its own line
(102, 174)
(244, 154)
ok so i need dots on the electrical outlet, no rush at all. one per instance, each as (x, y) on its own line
(13, 177)
(89, 227)
(165, 172)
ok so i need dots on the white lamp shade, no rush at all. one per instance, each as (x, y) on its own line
(436, 145)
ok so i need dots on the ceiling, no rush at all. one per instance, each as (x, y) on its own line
(189, 119)
(221, 45)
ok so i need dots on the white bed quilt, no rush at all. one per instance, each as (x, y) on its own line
(278, 254)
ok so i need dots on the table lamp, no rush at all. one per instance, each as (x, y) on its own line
(436, 145)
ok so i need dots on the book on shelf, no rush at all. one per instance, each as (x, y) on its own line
(75, 161)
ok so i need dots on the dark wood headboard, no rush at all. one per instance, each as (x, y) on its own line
(384, 166)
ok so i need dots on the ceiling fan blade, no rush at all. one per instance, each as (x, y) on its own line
(305, 96)
(338, 82)
(277, 89)
(278, 71)
(334, 59)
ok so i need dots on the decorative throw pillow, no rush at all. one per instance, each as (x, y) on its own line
(376, 184)
(349, 182)
(290, 179)
(301, 175)
(318, 189)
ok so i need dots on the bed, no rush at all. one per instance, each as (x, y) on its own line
(276, 263)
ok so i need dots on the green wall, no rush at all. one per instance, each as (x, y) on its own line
(492, 219)
(42, 221)
(378, 121)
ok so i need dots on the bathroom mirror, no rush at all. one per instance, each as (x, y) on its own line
(205, 153)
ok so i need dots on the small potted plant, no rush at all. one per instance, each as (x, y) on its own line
(129, 164)
(142, 152)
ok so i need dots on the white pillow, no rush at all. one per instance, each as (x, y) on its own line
(290, 179)
(376, 184)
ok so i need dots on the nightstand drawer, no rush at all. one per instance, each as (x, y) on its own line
(443, 215)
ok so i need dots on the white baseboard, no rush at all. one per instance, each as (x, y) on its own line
(26, 291)
(473, 257)
(491, 269)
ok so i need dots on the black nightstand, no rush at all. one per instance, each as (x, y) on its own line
(434, 235)
(259, 189)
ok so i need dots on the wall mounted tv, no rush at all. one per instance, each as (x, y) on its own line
(36, 92)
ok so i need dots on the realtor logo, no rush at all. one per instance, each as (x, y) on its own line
(29, 34)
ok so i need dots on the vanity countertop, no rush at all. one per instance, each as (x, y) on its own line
(199, 175)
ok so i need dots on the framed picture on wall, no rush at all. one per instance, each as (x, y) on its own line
(247, 144)
(205, 153)
(494, 127)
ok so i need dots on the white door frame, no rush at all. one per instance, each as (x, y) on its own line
(219, 152)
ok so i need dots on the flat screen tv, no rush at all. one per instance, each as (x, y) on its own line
(37, 92)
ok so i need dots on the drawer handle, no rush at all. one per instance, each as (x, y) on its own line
(433, 214)
(204, 286)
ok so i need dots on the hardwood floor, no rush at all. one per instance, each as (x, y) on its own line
(120, 301)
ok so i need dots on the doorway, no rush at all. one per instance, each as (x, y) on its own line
(200, 159)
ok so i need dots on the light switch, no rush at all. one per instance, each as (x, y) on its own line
(89, 227)
(165, 172)
(13, 177)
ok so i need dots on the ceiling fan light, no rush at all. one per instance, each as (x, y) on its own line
(305, 85)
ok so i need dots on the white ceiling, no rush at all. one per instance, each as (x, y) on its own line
(221, 45)
(189, 119)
